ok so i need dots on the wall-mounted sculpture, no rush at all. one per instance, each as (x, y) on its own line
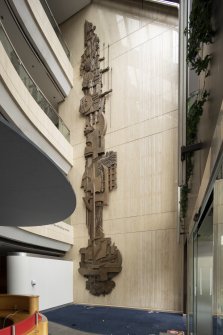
(100, 260)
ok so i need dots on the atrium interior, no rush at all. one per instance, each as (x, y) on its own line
(112, 166)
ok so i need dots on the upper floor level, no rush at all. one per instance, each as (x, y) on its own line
(38, 46)
(36, 75)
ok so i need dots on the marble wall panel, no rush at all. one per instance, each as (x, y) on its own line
(218, 249)
(157, 269)
(141, 48)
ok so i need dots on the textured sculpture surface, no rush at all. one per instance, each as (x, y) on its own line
(100, 260)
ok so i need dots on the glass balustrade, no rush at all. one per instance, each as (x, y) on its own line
(55, 26)
(31, 85)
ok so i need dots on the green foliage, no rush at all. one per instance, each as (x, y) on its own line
(189, 167)
(194, 113)
(183, 200)
(193, 116)
(200, 33)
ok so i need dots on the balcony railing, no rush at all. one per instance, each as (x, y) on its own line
(55, 26)
(27, 325)
(31, 85)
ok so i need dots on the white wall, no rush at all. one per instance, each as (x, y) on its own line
(54, 279)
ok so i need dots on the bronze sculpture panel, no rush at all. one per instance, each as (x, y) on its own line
(100, 260)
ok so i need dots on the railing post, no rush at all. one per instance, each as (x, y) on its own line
(37, 318)
(13, 330)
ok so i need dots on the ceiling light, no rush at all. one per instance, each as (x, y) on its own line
(164, 2)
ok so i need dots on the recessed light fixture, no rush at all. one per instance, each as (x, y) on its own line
(164, 2)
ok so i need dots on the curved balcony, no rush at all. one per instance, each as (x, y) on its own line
(23, 104)
(42, 37)
(30, 84)
(55, 26)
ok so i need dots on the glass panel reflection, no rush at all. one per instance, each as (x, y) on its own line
(31, 85)
(203, 277)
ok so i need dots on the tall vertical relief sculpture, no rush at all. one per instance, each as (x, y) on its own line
(100, 260)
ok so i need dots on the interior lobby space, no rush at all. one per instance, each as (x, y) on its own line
(111, 167)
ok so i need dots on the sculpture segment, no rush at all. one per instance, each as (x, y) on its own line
(100, 260)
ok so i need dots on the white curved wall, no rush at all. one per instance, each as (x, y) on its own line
(53, 278)
(27, 115)
(46, 41)
(19, 282)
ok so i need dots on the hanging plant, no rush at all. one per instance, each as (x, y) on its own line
(200, 33)
(194, 114)
(184, 190)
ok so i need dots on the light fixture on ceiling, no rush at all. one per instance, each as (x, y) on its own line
(164, 2)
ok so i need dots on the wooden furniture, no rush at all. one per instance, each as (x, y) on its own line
(23, 311)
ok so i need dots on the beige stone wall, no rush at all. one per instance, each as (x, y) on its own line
(59, 231)
(142, 127)
(218, 249)
(211, 164)
(28, 116)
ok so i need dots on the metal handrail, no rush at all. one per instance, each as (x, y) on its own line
(55, 26)
(30, 84)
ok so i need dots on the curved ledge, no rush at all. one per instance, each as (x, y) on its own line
(34, 191)
(20, 107)
(45, 40)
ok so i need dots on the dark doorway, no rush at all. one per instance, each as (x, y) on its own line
(3, 274)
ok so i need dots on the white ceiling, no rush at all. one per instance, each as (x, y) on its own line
(63, 9)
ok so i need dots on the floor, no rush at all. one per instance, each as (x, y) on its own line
(57, 329)
(88, 320)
